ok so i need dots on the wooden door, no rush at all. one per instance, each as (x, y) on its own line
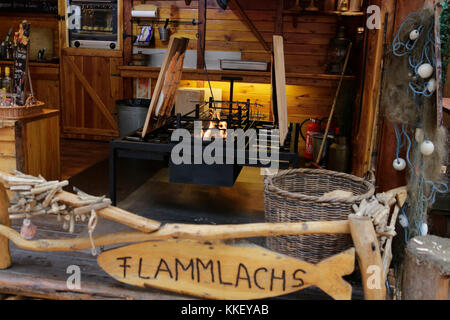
(90, 89)
(90, 86)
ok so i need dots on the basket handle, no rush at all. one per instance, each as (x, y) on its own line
(370, 176)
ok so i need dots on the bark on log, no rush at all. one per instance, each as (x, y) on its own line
(369, 257)
(427, 272)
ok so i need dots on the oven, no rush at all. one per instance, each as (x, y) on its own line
(93, 24)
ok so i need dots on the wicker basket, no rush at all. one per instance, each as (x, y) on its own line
(11, 113)
(293, 196)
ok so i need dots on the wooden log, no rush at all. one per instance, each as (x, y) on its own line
(49, 187)
(112, 213)
(426, 274)
(115, 214)
(5, 256)
(387, 254)
(182, 231)
(95, 206)
(369, 257)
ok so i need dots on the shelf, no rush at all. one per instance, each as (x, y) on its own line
(337, 13)
(319, 80)
(32, 64)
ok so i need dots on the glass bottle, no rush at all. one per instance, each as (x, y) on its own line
(7, 81)
(1, 78)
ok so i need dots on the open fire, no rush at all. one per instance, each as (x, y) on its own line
(209, 132)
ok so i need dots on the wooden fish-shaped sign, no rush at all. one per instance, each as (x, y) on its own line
(217, 270)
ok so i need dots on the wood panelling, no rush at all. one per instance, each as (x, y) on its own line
(303, 102)
(305, 48)
(305, 44)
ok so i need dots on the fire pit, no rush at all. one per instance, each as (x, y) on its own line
(210, 147)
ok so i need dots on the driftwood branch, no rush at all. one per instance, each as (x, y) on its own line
(181, 231)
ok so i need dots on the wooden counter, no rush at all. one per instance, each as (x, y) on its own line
(31, 144)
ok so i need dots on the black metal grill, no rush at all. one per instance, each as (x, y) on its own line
(157, 145)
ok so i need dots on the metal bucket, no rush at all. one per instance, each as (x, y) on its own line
(131, 114)
(163, 33)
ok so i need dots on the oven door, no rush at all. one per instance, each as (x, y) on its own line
(93, 24)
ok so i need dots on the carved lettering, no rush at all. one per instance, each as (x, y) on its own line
(205, 267)
(247, 276)
(124, 265)
(167, 269)
(189, 266)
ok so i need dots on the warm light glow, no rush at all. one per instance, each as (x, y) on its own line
(207, 133)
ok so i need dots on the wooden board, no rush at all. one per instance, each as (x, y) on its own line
(187, 99)
(280, 86)
(159, 83)
(217, 270)
(167, 84)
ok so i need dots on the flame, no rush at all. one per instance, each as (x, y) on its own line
(212, 125)
(223, 129)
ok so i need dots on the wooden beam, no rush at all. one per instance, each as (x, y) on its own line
(386, 176)
(127, 46)
(5, 256)
(280, 86)
(103, 109)
(363, 140)
(238, 8)
(438, 56)
(369, 257)
(178, 231)
(279, 19)
(201, 42)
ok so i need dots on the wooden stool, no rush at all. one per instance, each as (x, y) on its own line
(427, 269)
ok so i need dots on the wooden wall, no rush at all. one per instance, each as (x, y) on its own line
(305, 48)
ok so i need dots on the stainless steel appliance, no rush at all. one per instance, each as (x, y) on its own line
(93, 24)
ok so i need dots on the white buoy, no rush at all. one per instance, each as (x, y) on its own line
(399, 164)
(424, 229)
(427, 147)
(413, 35)
(403, 221)
(419, 136)
(431, 85)
(425, 70)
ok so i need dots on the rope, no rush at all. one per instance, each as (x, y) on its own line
(398, 45)
(435, 189)
(91, 227)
